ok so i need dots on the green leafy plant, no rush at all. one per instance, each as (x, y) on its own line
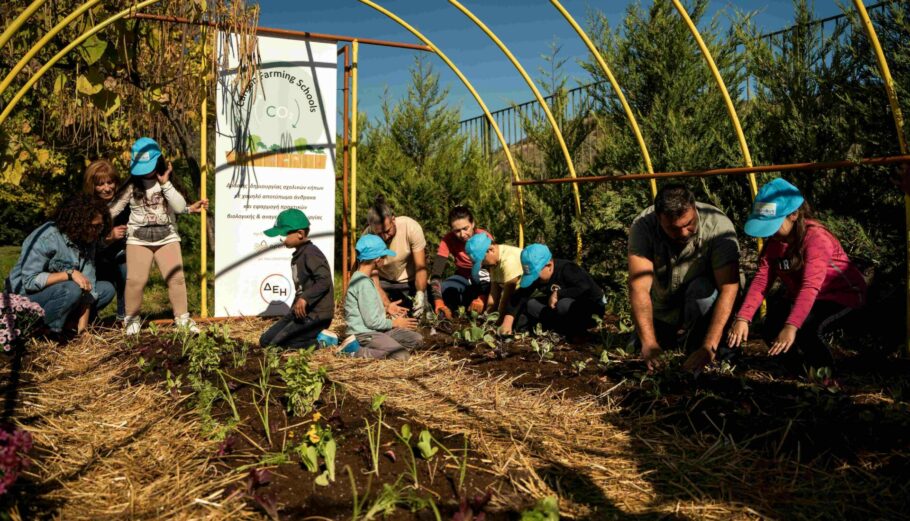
(173, 382)
(317, 443)
(425, 445)
(304, 385)
(546, 509)
(404, 436)
(373, 437)
(579, 366)
(481, 328)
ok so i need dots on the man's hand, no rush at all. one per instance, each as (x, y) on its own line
(405, 323)
(82, 281)
(650, 354)
(299, 308)
(554, 298)
(477, 305)
(699, 359)
(439, 306)
(739, 333)
(394, 310)
(420, 304)
(784, 340)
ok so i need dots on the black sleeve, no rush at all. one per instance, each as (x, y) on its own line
(575, 282)
(319, 272)
(439, 267)
(517, 301)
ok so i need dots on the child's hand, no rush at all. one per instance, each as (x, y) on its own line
(198, 206)
(784, 340)
(405, 323)
(739, 333)
(166, 176)
(394, 310)
(299, 308)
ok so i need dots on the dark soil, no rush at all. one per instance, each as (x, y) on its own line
(290, 487)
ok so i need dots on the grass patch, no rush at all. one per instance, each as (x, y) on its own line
(8, 257)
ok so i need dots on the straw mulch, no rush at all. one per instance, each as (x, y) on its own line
(106, 448)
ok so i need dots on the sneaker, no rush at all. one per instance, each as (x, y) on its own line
(185, 323)
(131, 326)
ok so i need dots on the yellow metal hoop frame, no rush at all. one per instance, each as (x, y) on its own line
(898, 116)
(543, 104)
(480, 102)
(20, 20)
(645, 155)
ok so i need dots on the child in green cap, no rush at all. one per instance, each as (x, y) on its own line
(313, 306)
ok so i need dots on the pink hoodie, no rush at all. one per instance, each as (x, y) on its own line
(827, 274)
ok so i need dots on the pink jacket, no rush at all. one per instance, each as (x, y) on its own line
(827, 274)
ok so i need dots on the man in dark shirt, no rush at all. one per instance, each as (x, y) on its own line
(556, 293)
(314, 303)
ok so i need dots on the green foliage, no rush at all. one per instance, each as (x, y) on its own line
(304, 384)
(546, 509)
(425, 445)
(319, 443)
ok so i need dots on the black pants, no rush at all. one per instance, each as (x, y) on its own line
(403, 291)
(293, 332)
(810, 348)
(570, 316)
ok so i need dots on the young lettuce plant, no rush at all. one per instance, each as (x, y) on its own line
(304, 385)
(319, 443)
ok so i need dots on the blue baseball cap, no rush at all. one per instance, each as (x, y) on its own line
(774, 202)
(144, 156)
(476, 248)
(371, 247)
(533, 259)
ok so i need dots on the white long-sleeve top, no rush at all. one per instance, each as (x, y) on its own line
(160, 206)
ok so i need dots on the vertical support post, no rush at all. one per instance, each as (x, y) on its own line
(355, 48)
(345, 158)
(898, 116)
(203, 179)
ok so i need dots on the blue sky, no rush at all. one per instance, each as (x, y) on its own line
(526, 27)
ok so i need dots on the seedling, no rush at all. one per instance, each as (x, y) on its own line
(319, 442)
(228, 396)
(173, 384)
(405, 438)
(543, 348)
(374, 437)
(304, 385)
(425, 445)
(579, 366)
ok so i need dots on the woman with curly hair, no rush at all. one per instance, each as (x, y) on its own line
(56, 268)
(101, 181)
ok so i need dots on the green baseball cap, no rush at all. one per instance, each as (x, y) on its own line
(288, 221)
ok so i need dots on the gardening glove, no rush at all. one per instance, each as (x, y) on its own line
(420, 304)
(440, 308)
(477, 305)
(436, 289)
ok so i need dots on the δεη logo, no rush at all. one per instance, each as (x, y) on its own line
(276, 287)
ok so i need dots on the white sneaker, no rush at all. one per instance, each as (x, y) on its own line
(131, 326)
(185, 323)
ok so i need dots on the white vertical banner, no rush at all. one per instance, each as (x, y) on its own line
(275, 149)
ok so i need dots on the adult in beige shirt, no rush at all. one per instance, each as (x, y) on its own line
(683, 277)
(402, 279)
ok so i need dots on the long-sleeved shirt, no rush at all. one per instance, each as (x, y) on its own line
(313, 280)
(159, 207)
(45, 251)
(573, 282)
(827, 274)
(363, 308)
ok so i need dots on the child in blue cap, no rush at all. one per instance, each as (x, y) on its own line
(556, 293)
(820, 282)
(151, 232)
(504, 264)
(314, 303)
(379, 335)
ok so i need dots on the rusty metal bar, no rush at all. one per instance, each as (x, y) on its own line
(287, 33)
(346, 262)
(740, 170)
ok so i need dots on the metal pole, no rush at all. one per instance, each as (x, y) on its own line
(63, 52)
(355, 48)
(27, 57)
(899, 127)
(480, 102)
(203, 175)
(740, 170)
(616, 88)
(543, 105)
(345, 158)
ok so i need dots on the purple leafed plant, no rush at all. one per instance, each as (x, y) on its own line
(19, 318)
(267, 502)
(473, 509)
(14, 446)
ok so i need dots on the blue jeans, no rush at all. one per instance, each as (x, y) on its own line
(459, 291)
(59, 300)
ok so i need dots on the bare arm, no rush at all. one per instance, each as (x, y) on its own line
(727, 279)
(641, 276)
(420, 269)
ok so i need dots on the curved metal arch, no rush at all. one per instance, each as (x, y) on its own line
(63, 52)
(20, 21)
(898, 116)
(27, 57)
(731, 109)
(633, 122)
(543, 105)
(483, 106)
